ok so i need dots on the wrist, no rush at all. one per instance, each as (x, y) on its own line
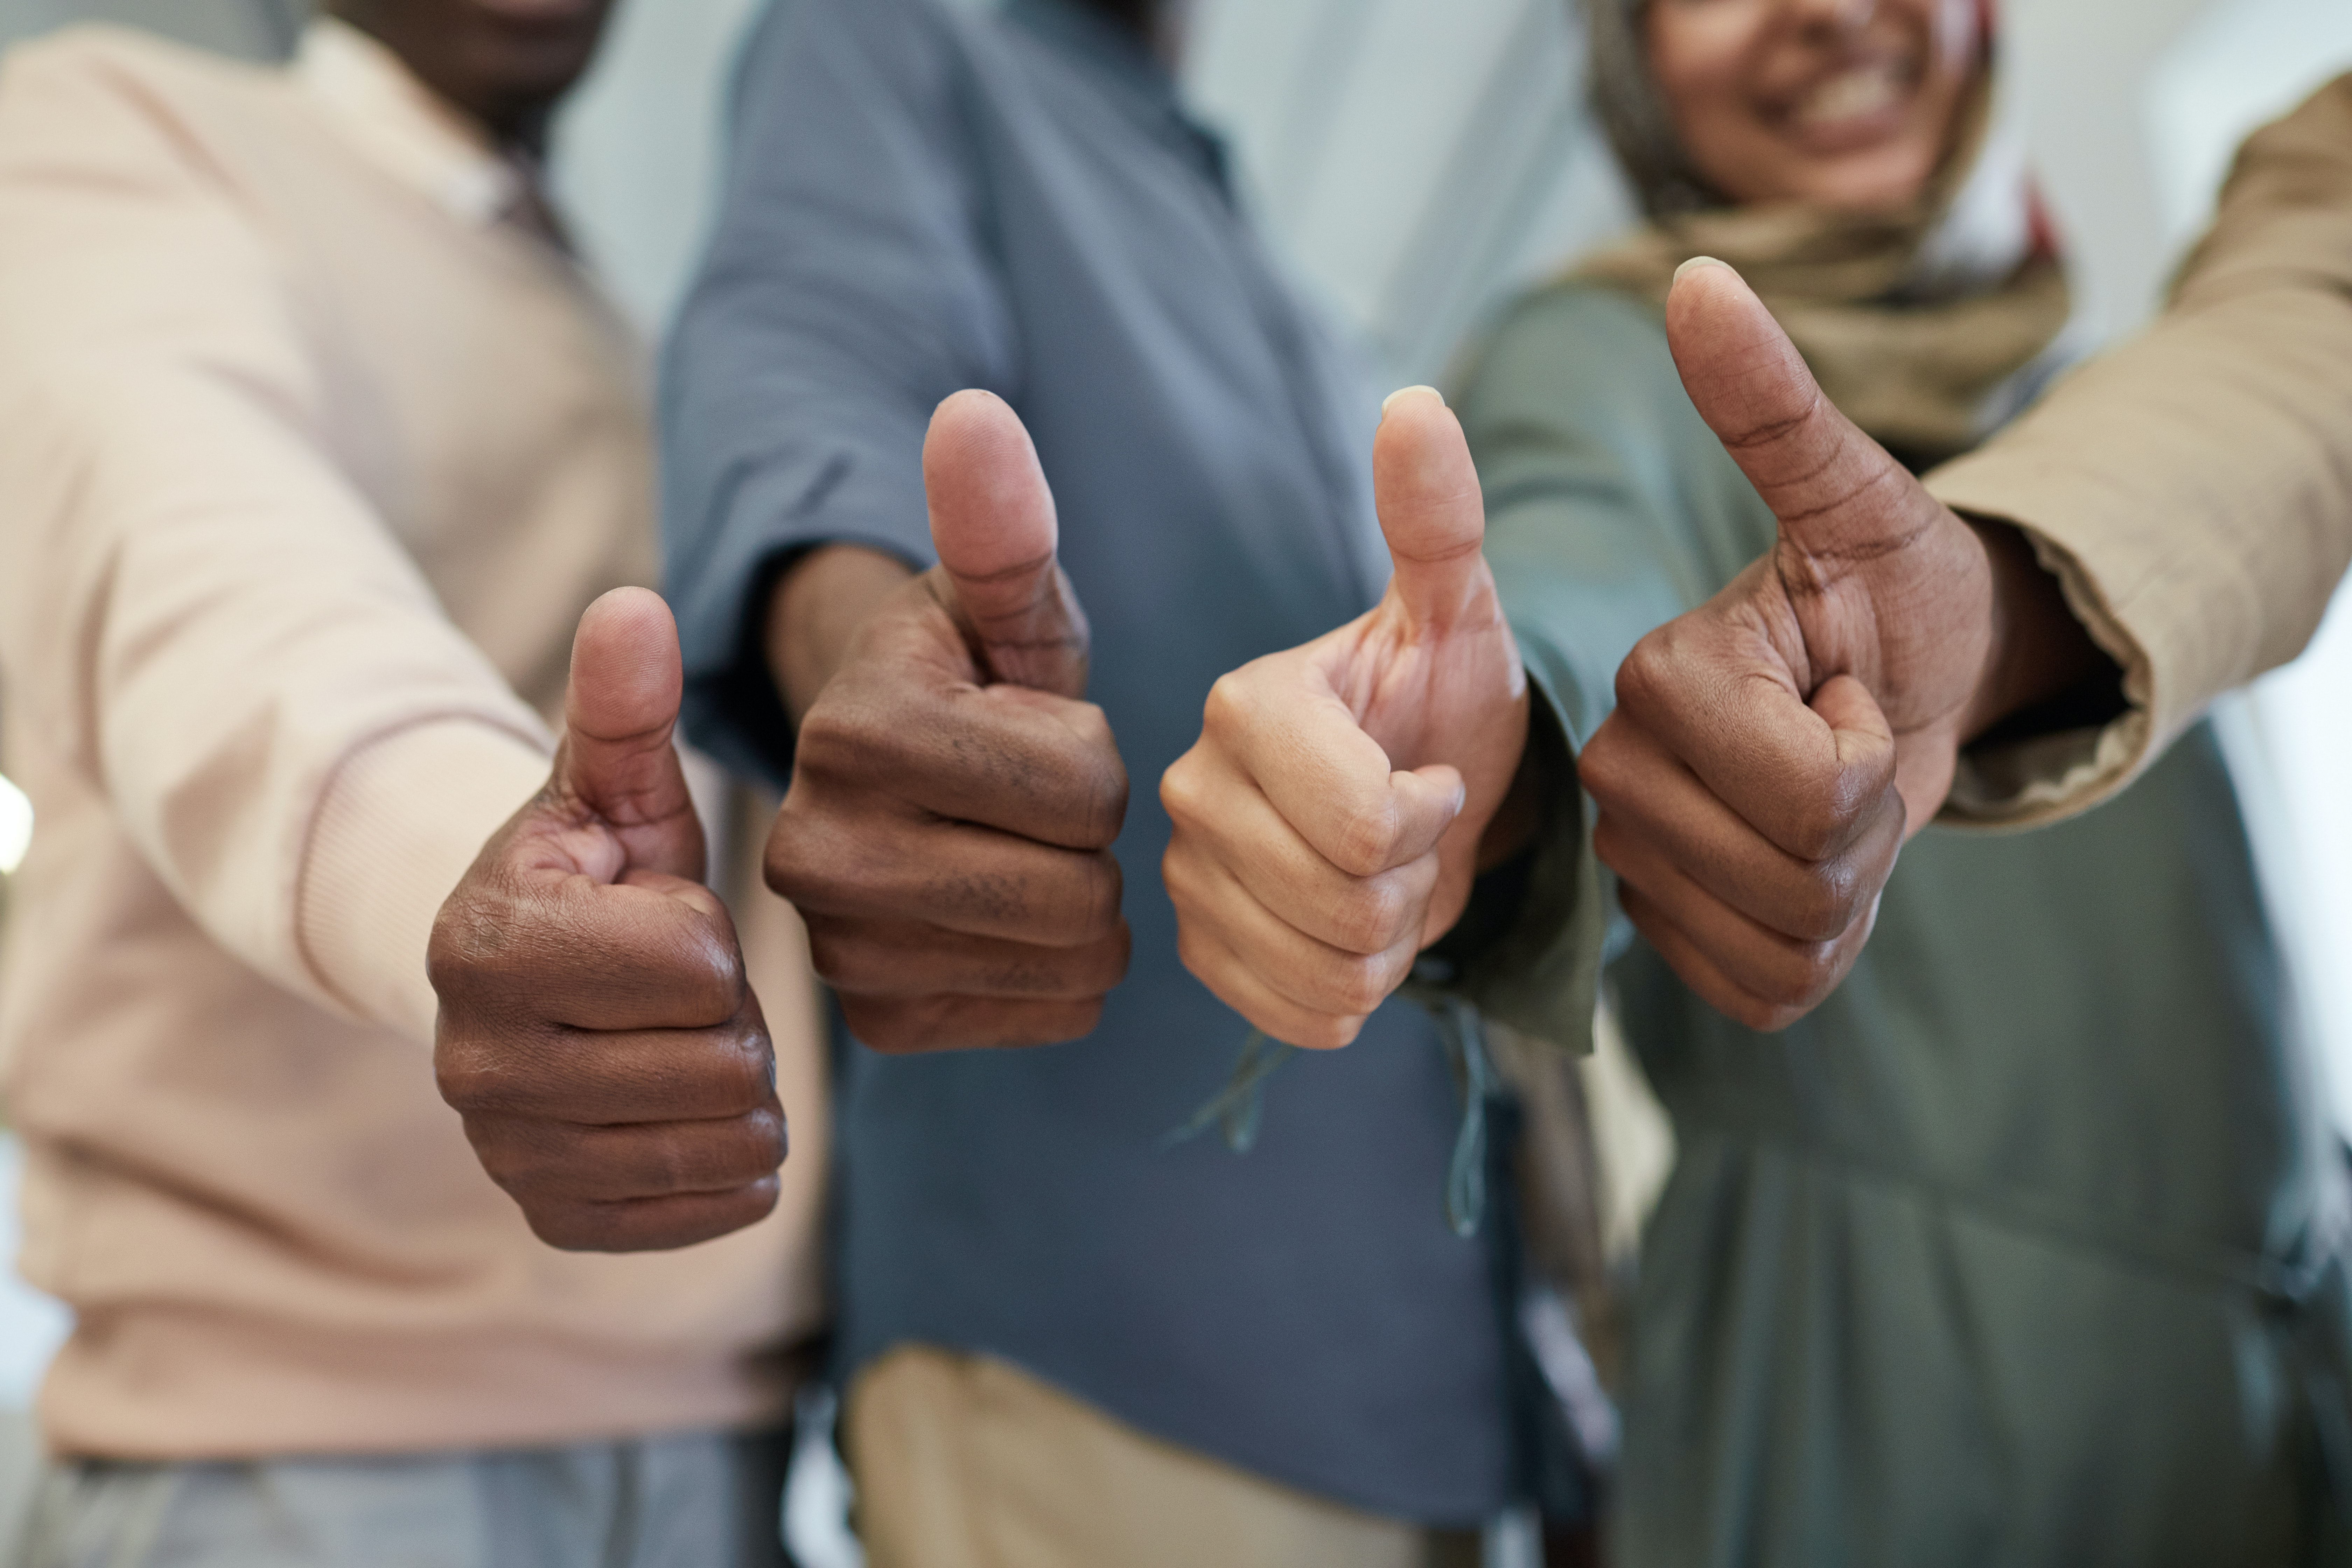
(2038, 651)
(815, 610)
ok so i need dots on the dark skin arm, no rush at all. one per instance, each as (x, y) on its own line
(1773, 750)
(819, 602)
(947, 836)
(597, 1032)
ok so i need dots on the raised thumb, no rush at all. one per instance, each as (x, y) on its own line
(994, 529)
(1837, 493)
(618, 760)
(1432, 513)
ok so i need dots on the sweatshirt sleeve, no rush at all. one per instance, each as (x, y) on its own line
(198, 607)
(849, 289)
(2193, 489)
(1609, 511)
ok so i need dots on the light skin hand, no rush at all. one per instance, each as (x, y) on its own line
(1773, 750)
(1329, 822)
(947, 836)
(596, 1030)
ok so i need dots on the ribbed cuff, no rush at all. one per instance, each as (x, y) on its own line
(2037, 782)
(398, 826)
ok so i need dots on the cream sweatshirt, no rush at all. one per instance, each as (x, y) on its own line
(308, 463)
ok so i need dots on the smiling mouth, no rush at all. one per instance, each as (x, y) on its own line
(1861, 93)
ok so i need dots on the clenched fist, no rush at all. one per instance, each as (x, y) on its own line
(596, 1030)
(1328, 822)
(947, 836)
(1771, 750)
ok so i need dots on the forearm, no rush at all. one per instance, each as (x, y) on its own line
(396, 830)
(2039, 651)
(2194, 487)
(819, 602)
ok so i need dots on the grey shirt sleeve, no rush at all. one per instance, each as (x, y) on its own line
(849, 289)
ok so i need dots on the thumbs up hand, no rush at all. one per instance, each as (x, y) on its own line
(596, 1031)
(947, 836)
(1328, 823)
(1773, 750)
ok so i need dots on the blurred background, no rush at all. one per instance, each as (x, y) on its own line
(1420, 159)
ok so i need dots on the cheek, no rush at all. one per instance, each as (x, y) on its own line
(1698, 58)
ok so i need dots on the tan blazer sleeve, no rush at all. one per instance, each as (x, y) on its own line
(197, 607)
(2193, 489)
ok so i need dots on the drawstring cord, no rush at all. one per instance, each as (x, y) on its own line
(1239, 1108)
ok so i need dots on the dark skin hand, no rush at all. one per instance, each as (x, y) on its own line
(947, 836)
(507, 63)
(596, 1030)
(1773, 750)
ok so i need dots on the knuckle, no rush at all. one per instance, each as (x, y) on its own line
(813, 845)
(1361, 986)
(1808, 977)
(1366, 842)
(1227, 708)
(1602, 767)
(1200, 959)
(841, 738)
(1105, 963)
(469, 932)
(743, 1070)
(1104, 891)
(1106, 804)
(1647, 679)
(1818, 825)
(768, 1142)
(1830, 901)
(718, 972)
(1374, 918)
(1183, 791)
(471, 1073)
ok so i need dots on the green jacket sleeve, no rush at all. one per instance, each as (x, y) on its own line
(1610, 509)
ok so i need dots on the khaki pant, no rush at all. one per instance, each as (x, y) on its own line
(696, 1502)
(963, 1462)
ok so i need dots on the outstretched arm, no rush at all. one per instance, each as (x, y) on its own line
(2193, 489)
(1772, 750)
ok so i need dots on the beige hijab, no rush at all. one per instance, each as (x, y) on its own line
(1929, 327)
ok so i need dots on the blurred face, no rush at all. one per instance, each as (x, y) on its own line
(506, 62)
(1840, 104)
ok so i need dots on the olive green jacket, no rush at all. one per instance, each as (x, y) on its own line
(2023, 1247)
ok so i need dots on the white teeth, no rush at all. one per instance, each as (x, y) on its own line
(1865, 90)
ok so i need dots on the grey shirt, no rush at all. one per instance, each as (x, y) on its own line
(923, 200)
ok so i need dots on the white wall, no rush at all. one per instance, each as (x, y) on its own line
(2229, 68)
(639, 153)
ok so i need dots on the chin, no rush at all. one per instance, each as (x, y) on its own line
(1883, 182)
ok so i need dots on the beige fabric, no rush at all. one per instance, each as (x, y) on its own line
(964, 1462)
(310, 471)
(2193, 491)
(1928, 326)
